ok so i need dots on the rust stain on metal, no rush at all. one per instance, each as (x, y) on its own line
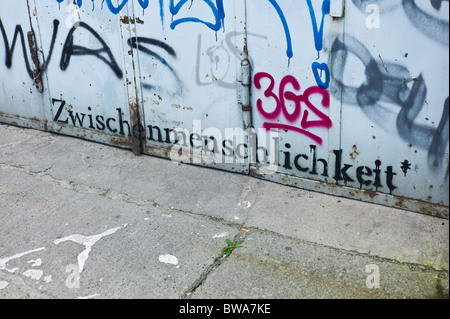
(157, 151)
(131, 20)
(137, 134)
(429, 210)
(35, 122)
(37, 80)
(32, 46)
(370, 193)
(434, 209)
(400, 203)
(245, 48)
(355, 152)
(437, 210)
(119, 141)
(125, 20)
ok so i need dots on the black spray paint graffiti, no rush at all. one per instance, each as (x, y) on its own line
(140, 43)
(391, 87)
(103, 52)
(70, 49)
(9, 49)
(433, 27)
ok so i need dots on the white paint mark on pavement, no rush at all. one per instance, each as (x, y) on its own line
(3, 284)
(168, 259)
(88, 242)
(47, 279)
(245, 204)
(36, 262)
(89, 297)
(35, 274)
(4, 261)
(221, 235)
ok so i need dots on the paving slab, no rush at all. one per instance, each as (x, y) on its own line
(269, 266)
(85, 220)
(63, 242)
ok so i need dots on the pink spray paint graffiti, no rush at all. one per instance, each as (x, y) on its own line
(273, 117)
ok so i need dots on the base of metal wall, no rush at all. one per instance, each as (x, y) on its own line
(290, 180)
(354, 193)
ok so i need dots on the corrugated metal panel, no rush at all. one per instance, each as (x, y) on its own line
(21, 102)
(376, 124)
(188, 67)
(395, 112)
(87, 84)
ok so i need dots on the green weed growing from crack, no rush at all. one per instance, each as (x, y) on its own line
(231, 246)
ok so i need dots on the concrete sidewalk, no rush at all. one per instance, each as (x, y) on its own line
(84, 220)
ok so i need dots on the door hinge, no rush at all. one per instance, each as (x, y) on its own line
(244, 86)
(37, 74)
(337, 8)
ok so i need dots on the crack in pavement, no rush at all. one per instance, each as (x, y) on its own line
(114, 195)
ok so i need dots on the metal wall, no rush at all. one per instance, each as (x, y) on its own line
(348, 97)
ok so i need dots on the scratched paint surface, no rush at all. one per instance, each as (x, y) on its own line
(188, 71)
(361, 110)
(17, 66)
(395, 106)
(366, 109)
(293, 96)
(86, 72)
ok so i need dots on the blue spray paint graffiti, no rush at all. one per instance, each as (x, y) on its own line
(289, 51)
(217, 9)
(318, 42)
(144, 4)
(318, 33)
(161, 11)
(323, 67)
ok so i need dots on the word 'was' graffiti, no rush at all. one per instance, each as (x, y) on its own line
(280, 98)
(98, 49)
